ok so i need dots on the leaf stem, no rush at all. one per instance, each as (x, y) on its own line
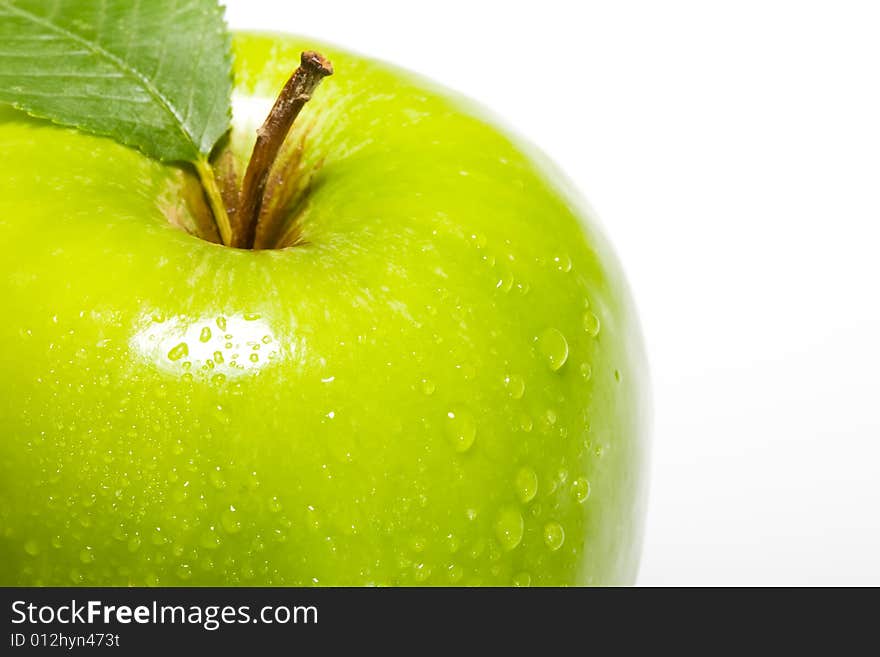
(295, 94)
(215, 199)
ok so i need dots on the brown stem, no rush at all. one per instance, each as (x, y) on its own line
(296, 93)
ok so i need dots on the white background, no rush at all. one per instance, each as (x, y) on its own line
(732, 150)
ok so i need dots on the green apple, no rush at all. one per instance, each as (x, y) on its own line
(442, 382)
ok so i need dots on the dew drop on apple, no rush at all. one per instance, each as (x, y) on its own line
(57, 541)
(178, 351)
(591, 323)
(509, 528)
(134, 544)
(32, 547)
(554, 535)
(205, 335)
(460, 429)
(516, 385)
(454, 572)
(428, 387)
(526, 423)
(504, 281)
(217, 479)
(184, 571)
(586, 371)
(422, 572)
(526, 484)
(553, 347)
(522, 579)
(254, 358)
(580, 488)
(230, 520)
(221, 323)
(86, 555)
(563, 263)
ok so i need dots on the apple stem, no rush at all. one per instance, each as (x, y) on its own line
(215, 200)
(270, 137)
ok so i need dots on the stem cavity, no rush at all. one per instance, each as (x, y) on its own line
(215, 200)
(271, 135)
(237, 210)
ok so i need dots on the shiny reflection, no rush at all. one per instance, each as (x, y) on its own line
(223, 346)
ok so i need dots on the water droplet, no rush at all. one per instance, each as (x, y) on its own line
(205, 335)
(525, 422)
(554, 347)
(221, 323)
(554, 535)
(254, 358)
(580, 488)
(522, 579)
(218, 378)
(134, 543)
(251, 317)
(230, 520)
(516, 385)
(454, 572)
(504, 281)
(422, 572)
(460, 429)
(550, 416)
(86, 555)
(428, 386)
(591, 323)
(158, 537)
(179, 351)
(32, 547)
(563, 262)
(509, 528)
(217, 479)
(526, 483)
(586, 371)
(57, 541)
(184, 571)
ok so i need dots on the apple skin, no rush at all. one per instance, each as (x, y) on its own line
(386, 404)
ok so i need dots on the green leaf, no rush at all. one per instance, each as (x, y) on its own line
(153, 74)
